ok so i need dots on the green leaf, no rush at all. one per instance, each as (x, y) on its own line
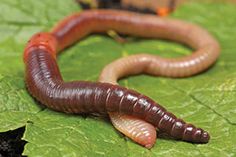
(207, 100)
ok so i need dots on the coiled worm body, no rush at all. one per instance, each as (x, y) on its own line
(44, 81)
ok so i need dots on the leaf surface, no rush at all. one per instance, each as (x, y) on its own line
(207, 100)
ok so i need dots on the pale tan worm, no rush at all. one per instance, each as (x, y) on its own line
(206, 52)
(136, 129)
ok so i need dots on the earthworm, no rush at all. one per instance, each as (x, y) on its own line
(130, 126)
(45, 83)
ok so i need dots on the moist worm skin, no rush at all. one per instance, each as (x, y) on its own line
(44, 81)
(136, 129)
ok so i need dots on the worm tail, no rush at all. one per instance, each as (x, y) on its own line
(178, 129)
(128, 101)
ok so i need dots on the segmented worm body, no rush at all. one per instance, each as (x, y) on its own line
(44, 81)
(136, 129)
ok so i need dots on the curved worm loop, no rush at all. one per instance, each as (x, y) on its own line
(146, 63)
(150, 64)
(45, 83)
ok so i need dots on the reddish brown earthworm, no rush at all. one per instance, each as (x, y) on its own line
(45, 83)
